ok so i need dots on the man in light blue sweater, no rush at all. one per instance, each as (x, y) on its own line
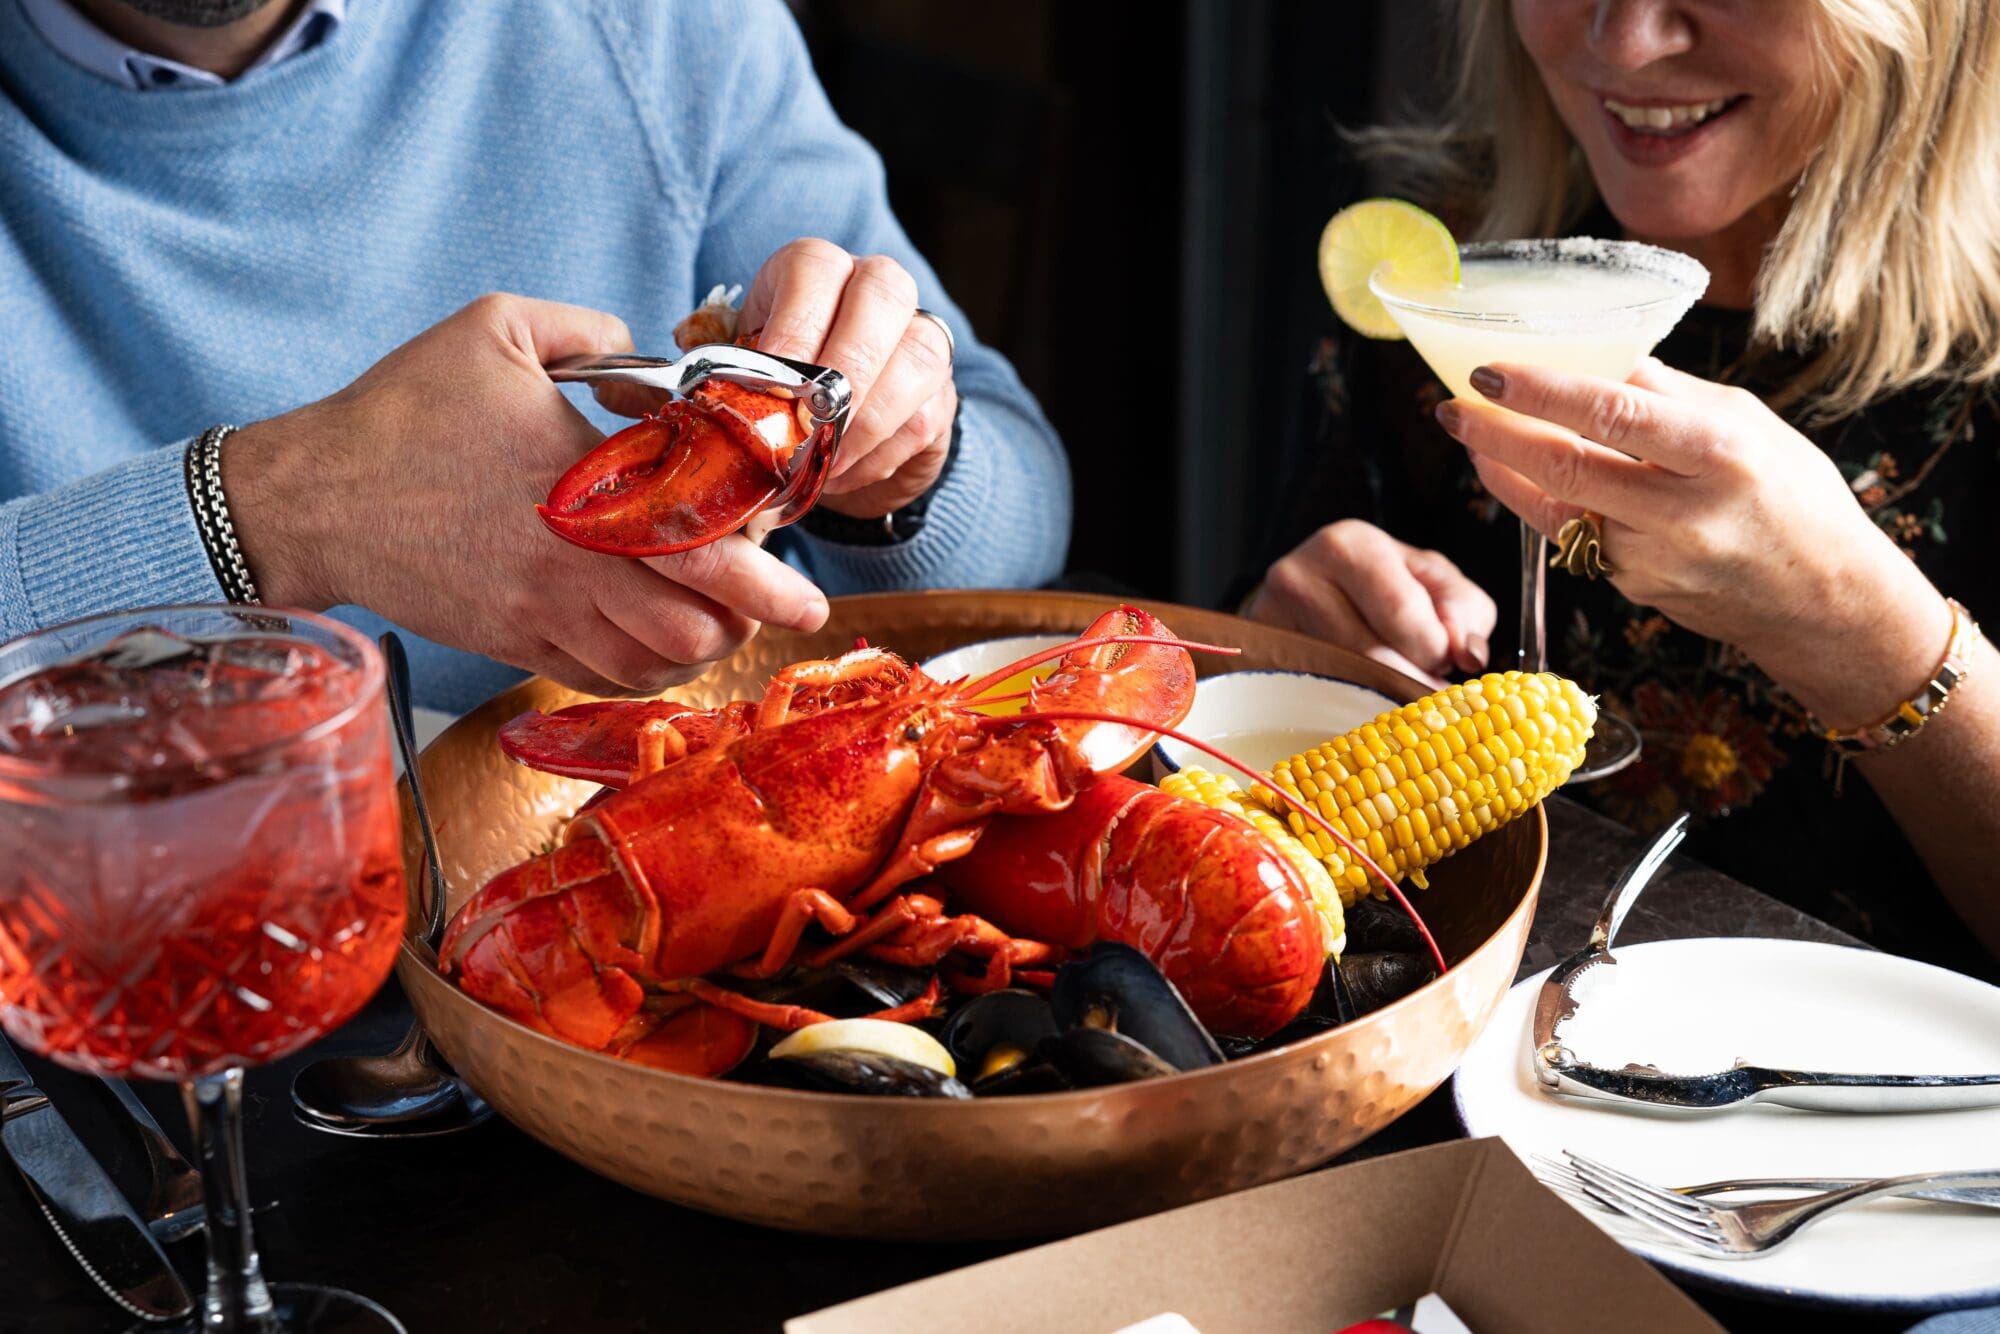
(231, 211)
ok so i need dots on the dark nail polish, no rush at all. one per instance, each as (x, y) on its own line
(1447, 415)
(1489, 382)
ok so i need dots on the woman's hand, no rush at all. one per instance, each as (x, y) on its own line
(1721, 516)
(1353, 585)
(412, 492)
(817, 303)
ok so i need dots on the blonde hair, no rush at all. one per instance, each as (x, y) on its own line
(1887, 265)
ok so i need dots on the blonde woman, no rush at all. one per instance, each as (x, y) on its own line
(1786, 514)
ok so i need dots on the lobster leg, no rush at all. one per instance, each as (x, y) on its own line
(791, 1017)
(802, 908)
(912, 931)
(786, 1017)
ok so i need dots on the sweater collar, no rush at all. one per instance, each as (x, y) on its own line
(89, 47)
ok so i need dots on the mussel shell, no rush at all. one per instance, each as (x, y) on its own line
(1144, 1005)
(845, 990)
(1018, 1018)
(1378, 926)
(1373, 980)
(1034, 1075)
(856, 1072)
(1091, 1056)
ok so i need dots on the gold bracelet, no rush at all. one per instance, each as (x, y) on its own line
(1908, 718)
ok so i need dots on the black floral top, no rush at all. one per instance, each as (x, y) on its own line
(1721, 741)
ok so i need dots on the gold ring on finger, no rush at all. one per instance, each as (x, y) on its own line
(1580, 547)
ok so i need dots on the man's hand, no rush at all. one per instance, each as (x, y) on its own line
(412, 492)
(817, 303)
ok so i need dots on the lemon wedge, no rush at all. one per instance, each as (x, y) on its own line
(878, 1036)
(1416, 248)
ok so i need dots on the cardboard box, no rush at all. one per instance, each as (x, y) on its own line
(1465, 1220)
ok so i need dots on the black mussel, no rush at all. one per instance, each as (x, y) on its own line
(1119, 989)
(1091, 1056)
(995, 1040)
(856, 1072)
(845, 990)
(1373, 980)
(1378, 926)
(997, 1035)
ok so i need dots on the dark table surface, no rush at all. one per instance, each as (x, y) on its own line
(490, 1231)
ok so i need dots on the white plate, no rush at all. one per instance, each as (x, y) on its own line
(1693, 1006)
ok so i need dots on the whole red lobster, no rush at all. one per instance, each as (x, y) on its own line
(696, 470)
(852, 778)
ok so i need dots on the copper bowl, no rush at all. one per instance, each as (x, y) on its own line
(993, 1168)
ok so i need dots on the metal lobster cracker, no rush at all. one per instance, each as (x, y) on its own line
(748, 441)
(1559, 1071)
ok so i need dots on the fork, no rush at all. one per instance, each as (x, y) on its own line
(1738, 1231)
(1560, 1176)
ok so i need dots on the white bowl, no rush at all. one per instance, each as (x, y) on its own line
(1265, 717)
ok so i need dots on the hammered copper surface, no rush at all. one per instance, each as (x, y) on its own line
(988, 1169)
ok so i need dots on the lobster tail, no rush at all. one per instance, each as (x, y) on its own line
(555, 942)
(1222, 913)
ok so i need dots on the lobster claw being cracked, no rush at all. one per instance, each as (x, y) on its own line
(746, 448)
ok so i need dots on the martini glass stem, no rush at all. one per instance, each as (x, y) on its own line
(1534, 642)
(237, 1300)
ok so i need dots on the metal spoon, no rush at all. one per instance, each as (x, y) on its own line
(174, 1208)
(408, 1086)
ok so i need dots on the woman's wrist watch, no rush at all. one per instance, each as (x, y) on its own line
(897, 526)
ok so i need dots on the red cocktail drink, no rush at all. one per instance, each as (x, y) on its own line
(200, 870)
(199, 860)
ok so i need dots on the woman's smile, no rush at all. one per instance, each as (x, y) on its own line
(1655, 131)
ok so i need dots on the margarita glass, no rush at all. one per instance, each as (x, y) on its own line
(1582, 305)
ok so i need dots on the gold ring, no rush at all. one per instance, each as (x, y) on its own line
(1580, 547)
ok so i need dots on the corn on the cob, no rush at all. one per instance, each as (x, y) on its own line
(1421, 782)
(1221, 792)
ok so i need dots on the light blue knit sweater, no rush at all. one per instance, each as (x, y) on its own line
(172, 260)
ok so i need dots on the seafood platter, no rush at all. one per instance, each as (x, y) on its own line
(819, 942)
(828, 942)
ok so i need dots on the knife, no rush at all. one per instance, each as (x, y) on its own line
(90, 1217)
(1559, 1071)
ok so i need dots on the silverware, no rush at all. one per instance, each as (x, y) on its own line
(1737, 1231)
(174, 1207)
(92, 1220)
(1555, 1173)
(826, 392)
(462, 1113)
(406, 1092)
(1559, 1070)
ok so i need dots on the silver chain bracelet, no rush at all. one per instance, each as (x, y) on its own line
(203, 466)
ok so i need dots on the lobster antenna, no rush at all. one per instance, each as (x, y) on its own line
(1262, 780)
(995, 677)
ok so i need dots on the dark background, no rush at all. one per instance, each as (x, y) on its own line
(1126, 199)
